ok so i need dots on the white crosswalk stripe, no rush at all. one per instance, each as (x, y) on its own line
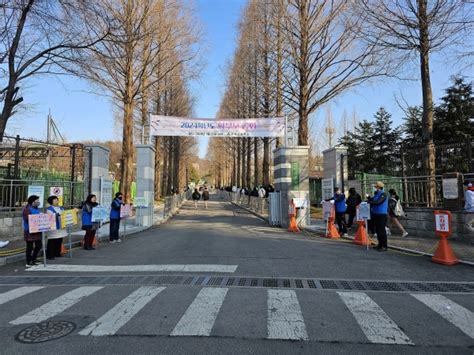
(125, 310)
(17, 292)
(449, 310)
(57, 305)
(374, 322)
(200, 316)
(285, 320)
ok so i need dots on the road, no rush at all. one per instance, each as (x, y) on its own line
(220, 281)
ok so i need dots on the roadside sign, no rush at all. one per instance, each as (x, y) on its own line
(38, 191)
(327, 188)
(443, 223)
(126, 211)
(327, 209)
(141, 202)
(363, 212)
(42, 222)
(68, 218)
(100, 214)
(59, 193)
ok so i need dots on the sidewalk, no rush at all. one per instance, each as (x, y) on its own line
(14, 251)
(425, 245)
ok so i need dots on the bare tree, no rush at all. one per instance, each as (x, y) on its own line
(407, 28)
(36, 38)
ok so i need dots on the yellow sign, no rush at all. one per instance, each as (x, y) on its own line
(68, 218)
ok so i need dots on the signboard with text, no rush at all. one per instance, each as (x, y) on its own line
(327, 188)
(363, 212)
(141, 202)
(42, 222)
(68, 218)
(443, 223)
(327, 209)
(126, 211)
(100, 214)
(38, 191)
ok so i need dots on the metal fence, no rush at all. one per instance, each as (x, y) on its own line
(256, 204)
(173, 203)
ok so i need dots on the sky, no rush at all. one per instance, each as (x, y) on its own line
(83, 115)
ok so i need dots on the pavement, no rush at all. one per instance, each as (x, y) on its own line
(221, 281)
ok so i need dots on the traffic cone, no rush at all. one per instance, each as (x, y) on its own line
(63, 249)
(94, 242)
(444, 254)
(332, 230)
(293, 225)
(361, 235)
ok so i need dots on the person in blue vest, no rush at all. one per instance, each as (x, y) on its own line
(55, 238)
(115, 218)
(378, 214)
(87, 224)
(33, 240)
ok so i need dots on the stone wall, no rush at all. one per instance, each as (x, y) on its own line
(11, 228)
(421, 222)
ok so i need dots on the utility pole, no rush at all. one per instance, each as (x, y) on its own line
(48, 140)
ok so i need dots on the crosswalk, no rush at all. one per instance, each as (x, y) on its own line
(111, 309)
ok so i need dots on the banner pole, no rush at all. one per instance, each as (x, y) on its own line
(44, 249)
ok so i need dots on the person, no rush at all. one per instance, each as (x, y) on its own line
(392, 211)
(378, 210)
(205, 196)
(353, 201)
(469, 198)
(33, 240)
(55, 238)
(115, 218)
(196, 196)
(87, 224)
(340, 207)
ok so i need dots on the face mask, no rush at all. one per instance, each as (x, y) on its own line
(36, 204)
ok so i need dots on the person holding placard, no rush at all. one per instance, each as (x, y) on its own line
(87, 224)
(117, 203)
(33, 240)
(55, 238)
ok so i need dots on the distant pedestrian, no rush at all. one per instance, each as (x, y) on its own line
(469, 198)
(395, 210)
(340, 206)
(55, 238)
(87, 224)
(33, 240)
(378, 210)
(196, 196)
(205, 196)
(353, 201)
(115, 207)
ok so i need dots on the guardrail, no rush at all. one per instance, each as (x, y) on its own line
(256, 204)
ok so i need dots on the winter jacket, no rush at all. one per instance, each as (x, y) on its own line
(87, 216)
(379, 203)
(115, 208)
(352, 202)
(29, 237)
(340, 203)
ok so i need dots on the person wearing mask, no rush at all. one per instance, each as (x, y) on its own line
(378, 214)
(393, 214)
(205, 196)
(340, 207)
(115, 218)
(55, 238)
(196, 196)
(87, 224)
(33, 240)
(353, 201)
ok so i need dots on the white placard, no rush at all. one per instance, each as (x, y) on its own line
(327, 209)
(300, 202)
(185, 126)
(38, 191)
(450, 188)
(327, 188)
(442, 223)
(363, 212)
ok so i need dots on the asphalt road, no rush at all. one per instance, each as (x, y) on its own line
(203, 283)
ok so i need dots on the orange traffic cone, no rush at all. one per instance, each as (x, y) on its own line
(444, 254)
(332, 230)
(361, 235)
(293, 225)
(63, 249)
(94, 242)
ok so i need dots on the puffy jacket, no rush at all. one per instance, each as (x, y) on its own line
(87, 214)
(31, 210)
(352, 202)
(340, 203)
(115, 209)
(379, 203)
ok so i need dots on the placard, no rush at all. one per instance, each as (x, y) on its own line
(300, 202)
(327, 188)
(100, 214)
(327, 209)
(59, 193)
(141, 202)
(450, 188)
(42, 222)
(126, 211)
(363, 211)
(38, 191)
(68, 218)
(443, 223)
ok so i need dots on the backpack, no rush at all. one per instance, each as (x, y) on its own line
(399, 212)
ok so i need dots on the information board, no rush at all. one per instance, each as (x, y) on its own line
(327, 209)
(141, 202)
(100, 214)
(327, 188)
(68, 218)
(42, 222)
(126, 211)
(450, 188)
(38, 191)
(364, 211)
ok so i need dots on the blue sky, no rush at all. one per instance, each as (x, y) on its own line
(82, 115)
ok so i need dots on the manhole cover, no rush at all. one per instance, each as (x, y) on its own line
(46, 331)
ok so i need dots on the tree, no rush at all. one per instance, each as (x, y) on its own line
(385, 141)
(420, 27)
(36, 38)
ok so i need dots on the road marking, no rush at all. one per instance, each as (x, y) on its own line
(57, 305)
(136, 268)
(201, 314)
(17, 292)
(374, 322)
(449, 310)
(125, 310)
(285, 320)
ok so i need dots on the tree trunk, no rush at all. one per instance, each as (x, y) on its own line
(256, 162)
(157, 169)
(429, 151)
(249, 162)
(266, 161)
(164, 179)
(303, 74)
(239, 164)
(170, 186)
(177, 148)
(127, 150)
(244, 163)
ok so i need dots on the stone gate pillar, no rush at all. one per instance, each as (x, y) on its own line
(96, 165)
(291, 178)
(336, 167)
(145, 183)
